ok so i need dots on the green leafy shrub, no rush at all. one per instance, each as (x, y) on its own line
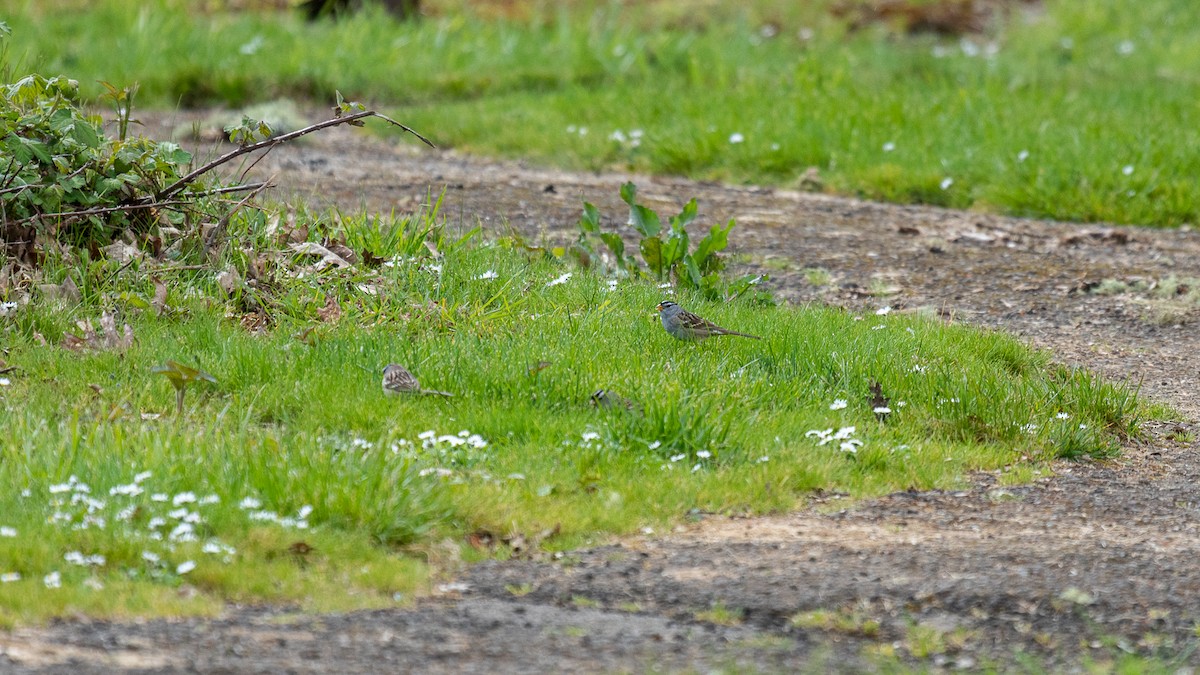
(666, 252)
(63, 178)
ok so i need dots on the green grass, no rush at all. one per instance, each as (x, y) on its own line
(304, 484)
(1082, 111)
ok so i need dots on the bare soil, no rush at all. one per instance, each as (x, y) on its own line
(1097, 561)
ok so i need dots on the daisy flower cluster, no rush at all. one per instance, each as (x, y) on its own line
(440, 455)
(165, 524)
(844, 437)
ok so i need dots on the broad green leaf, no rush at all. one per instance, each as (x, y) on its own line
(651, 248)
(716, 240)
(685, 217)
(614, 244)
(675, 248)
(693, 272)
(644, 220)
(629, 193)
(589, 222)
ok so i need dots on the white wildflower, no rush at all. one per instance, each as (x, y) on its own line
(560, 280)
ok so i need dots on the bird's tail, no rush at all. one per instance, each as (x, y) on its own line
(734, 332)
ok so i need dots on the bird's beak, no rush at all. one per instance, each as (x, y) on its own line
(659, 307)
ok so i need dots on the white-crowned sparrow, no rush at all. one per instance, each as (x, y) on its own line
(684, 325)
(397, 380)
(605, 398)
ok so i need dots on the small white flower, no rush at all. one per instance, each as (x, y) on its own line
(844, 433)
(1125, 48)
(150, 556)
(426, 435)
(947, 182)
(184, 498)
(881, 410)
(159, 497)
(4, 381)
(209, 499)
(182, 532)
(612, 284)
(736, 138)
(889, 146)
(1022, 155)
(156, 522)
(655, 445)
(185, 567)
(850, 446)
(838, 404)
(589, 435)
(763, 459)
(178, 514)
(696, 468)
(618, 136)
(704, 454)
(130, 490)
(1083, 426)
(304, 511)
(560, 280)
(141, 476)
(52, 580)
(211, 547)
(9, 577)
(647, 530)
(883, 311)
(249, 503)
(490, 274)
(1127, 169)
(93, 583)
(8, 531)
(676, 458)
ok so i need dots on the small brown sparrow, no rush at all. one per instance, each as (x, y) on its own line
(684, 325)
(397, 380)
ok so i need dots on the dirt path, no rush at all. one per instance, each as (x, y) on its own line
(1098, 561)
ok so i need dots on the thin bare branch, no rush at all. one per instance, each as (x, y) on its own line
(102, 209)
(180, 184)
(224, 222)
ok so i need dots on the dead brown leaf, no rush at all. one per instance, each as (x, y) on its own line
(482, 540)
(108, 338)
(159, 301)
(229, 280)
(311, 248)
(67, 291)
(342, 251)
(121, 252)
(332, 311)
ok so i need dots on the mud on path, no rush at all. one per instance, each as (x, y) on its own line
(1099, 560)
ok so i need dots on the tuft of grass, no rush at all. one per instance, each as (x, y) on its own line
(720, 614)
(848, 621)
(756, 92)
